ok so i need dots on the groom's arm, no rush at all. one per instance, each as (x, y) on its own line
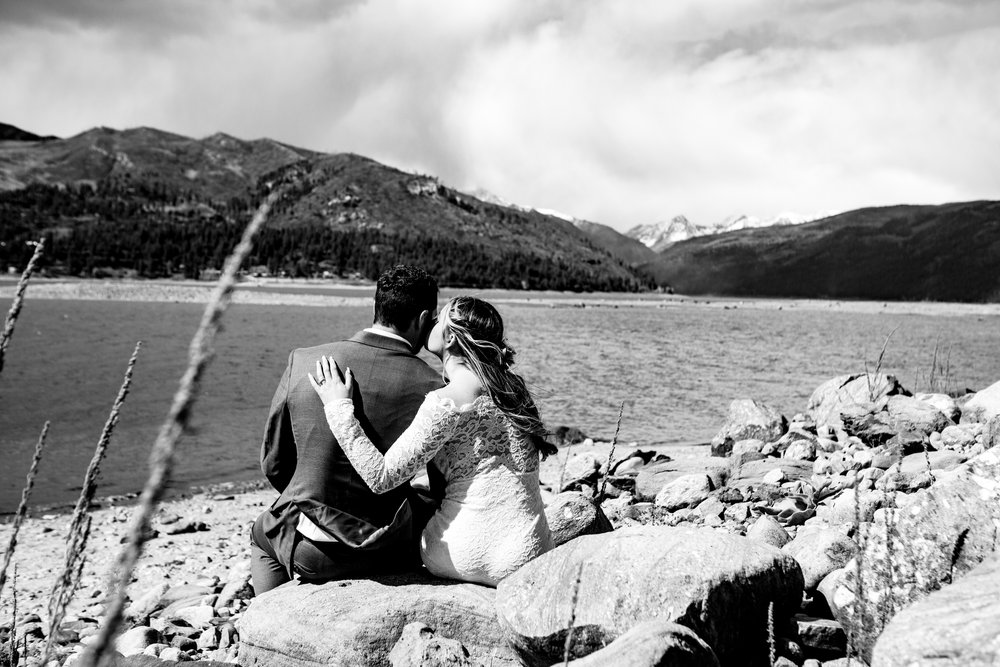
(278, 455)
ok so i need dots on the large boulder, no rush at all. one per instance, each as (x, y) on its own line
(910, 414)
(357, 622)
(718, 585)
(652, 644)
(748, 419)
(831, 397)
(938, 535)
(652, 478)
(983, 406)
(820, 551)
(958, 625)
(571, 514)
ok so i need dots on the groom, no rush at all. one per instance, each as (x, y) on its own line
(327, 523)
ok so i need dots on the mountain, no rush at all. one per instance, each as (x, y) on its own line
(217, 167)
(949, 252)
(661, 235)
(159, 203)
(12, 133)
(625, 248)
(628, 250)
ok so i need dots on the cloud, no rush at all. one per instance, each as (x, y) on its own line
(618, 112)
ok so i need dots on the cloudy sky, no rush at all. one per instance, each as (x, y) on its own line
(623, 112)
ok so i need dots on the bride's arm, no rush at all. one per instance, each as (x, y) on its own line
(416, 446)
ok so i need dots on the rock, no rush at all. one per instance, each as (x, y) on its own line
(357, 622)
(776, 477)
(960, 437)
(943, 402)
(956, 625)
(738, 512)
(820, 551)
(569, 435)
(753, 472)
(686, 491)
(652, 644)
(654, 477)
(767, 530)
(840, 509)
(209, 639)
(801, 450)
(834, 591)
(936, 461)
(134, 641)
(940, 534)
(197, 616)
(710, 507)
(146, 604)
(748, 419)
(909, 442)
(571, 514)
(713, 581)
(983, 406)
(182, 527)
(830, 398)
(821, 637)
(185, 592)
(418, 646)
(910, 414)
(580, 466)
(237, 587)
(991, 433)
(172, 654)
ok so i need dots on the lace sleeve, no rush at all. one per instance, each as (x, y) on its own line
(428, 432)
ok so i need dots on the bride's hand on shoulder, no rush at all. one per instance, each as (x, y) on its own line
(330, 383)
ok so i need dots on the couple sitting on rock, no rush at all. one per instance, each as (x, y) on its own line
(352, 422)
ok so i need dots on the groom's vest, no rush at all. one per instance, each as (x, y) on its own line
(302, 459)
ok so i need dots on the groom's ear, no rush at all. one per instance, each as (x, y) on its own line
(425, 322)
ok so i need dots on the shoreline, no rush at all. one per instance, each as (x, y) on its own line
(285, 292)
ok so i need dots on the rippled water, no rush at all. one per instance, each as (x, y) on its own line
(676, 368)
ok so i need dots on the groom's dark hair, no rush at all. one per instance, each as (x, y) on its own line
(402, 293)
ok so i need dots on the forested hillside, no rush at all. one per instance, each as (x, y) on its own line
(156, 204)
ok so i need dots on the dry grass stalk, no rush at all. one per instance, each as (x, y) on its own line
(15, 307)
(611, 453)
(872, 387)
(859, 589)
(22, 509)
(772, 652)
(12, 656)
(161, 457)
(890, 563)
(79, 526)
(567, 648)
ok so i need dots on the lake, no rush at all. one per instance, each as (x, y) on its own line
(675, 363)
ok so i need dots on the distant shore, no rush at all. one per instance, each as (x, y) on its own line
(310, 292)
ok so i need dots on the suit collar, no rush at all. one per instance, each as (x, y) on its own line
(381, 342)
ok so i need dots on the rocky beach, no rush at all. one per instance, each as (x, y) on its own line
(749, 549)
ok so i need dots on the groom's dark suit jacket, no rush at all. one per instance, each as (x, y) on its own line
(304, 462)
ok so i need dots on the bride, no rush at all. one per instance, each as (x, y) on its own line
(482, 431)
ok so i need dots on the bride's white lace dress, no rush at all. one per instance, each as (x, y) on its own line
(491, 520)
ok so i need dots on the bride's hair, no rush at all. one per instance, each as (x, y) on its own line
(479, 341)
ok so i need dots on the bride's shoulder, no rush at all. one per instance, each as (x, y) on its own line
(453, 399)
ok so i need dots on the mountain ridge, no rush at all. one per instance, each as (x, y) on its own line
(945, 252)
(338, 212)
